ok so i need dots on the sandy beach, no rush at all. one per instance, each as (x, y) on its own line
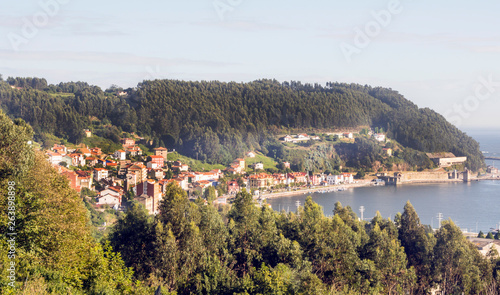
(360, 183)
(315, 189)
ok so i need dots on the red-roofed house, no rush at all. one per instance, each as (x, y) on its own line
(261, 180)
(127, 142)
(157, 159)
(201, 186)
(298, 177)
(61, 149)
(149, 194)
(134, 151)
(161, 151)
(54, 157)
(100, 173)
(84, 179)
(77, 159)
(165, 182)
(84, 151)
(348, 178)
(91, 161)
(96, 151)
(111, 196)
(78, 179)
(72, 177)
(233, 187)
(279, 178)
(178, 166)
(140, 170)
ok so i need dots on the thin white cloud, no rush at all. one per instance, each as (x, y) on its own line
(473, 43)
(102, 57)
(244, 25)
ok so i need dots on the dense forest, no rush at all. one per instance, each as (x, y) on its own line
(198, 248)
(217, 122)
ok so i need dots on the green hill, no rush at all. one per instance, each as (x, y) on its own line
(217, 122)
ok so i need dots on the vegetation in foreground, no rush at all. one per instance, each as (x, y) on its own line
(193, 248)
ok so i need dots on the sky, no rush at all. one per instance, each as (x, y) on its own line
(445, 56)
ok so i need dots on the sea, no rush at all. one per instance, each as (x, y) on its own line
(473, 206)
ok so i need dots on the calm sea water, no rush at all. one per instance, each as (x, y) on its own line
(472, 206)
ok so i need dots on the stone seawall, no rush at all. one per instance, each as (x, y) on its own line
(415, 176)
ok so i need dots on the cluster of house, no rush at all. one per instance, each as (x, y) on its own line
(129, 175)
(78, 157)
(261, 181)
(299, 138)
(346, 135)
(129, 148)
(147, 179)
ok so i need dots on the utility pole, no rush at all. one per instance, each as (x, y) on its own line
(440, 217)
(362, 210)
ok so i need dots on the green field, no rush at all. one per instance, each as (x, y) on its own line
(194, 165)
(260, 158)
(107, 145)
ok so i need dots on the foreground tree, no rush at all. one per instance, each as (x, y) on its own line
(418, 247)
(459, 267)
(55, 251)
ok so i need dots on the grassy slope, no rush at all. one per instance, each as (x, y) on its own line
(260, 158)
(194, 165)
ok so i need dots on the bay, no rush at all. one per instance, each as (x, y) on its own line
(472, 206)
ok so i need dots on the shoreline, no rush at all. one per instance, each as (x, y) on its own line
(365, 183)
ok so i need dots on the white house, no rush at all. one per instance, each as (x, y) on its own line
(54, 158)
(120, 155)
(348, 135)
(111, 196)
(77, 159)
(348, 177)
(152, 165)
(68, 160)
(258, 166)
(109, 199)
(334, 179)
(100, 173)
(251, 154)
(379, 136)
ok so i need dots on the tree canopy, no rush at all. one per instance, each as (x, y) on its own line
(217, 122)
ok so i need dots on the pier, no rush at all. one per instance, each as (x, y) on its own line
(492, 158)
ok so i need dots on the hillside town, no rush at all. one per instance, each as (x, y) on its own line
(113, 176)
(128, 174)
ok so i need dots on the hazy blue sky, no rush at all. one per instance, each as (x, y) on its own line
(434, 53)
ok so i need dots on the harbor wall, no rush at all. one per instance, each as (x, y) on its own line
(411, 176)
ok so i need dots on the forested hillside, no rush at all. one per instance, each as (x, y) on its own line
(217, 122)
